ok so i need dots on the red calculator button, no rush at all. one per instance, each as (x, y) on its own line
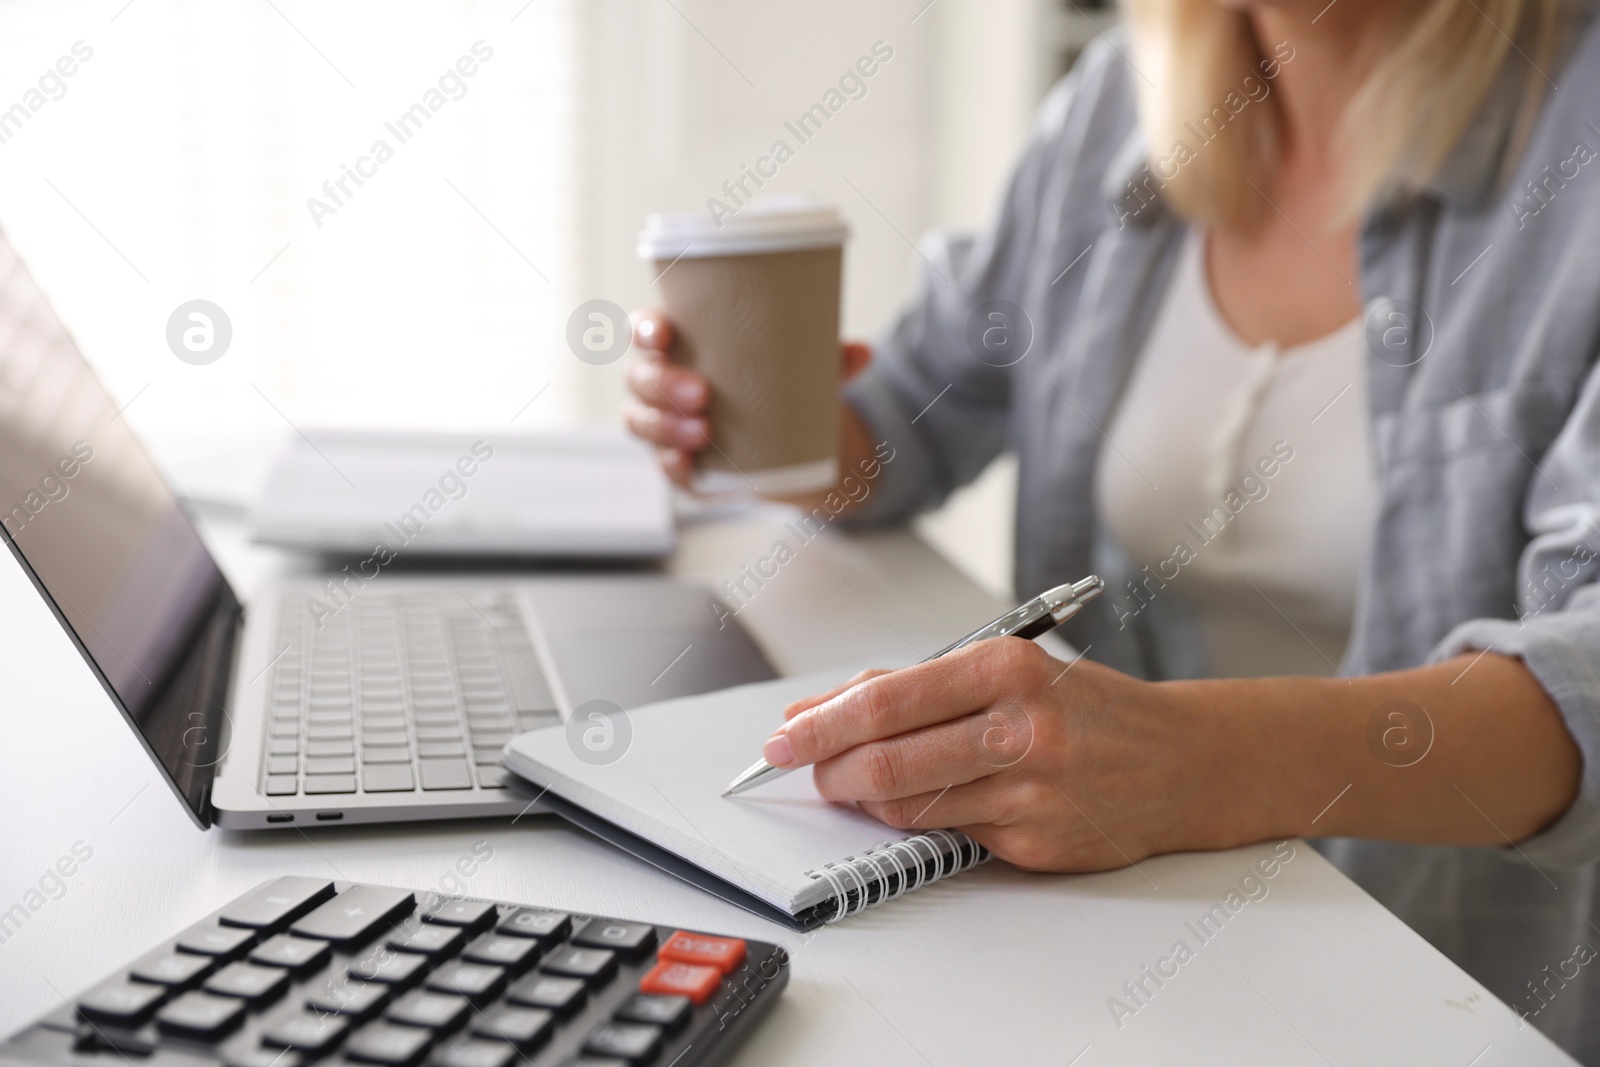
(723, 953)
(669, 979)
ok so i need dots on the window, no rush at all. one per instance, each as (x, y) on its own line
(380, 198)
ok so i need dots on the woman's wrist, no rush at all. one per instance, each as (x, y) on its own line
(1249, 769)
(1469, 752)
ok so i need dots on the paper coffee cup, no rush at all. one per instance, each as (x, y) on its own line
(754, 300)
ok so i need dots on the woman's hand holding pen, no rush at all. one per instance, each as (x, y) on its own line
(1051, 765)
(1074, 766)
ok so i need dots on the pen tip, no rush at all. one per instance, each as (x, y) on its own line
(728, 791)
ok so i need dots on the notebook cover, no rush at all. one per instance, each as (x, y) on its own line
(659, 857)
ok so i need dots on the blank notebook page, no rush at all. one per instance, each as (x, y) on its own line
(667, 789)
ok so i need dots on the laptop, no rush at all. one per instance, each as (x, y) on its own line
(365, 696)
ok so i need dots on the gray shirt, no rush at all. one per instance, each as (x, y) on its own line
(1482, 313)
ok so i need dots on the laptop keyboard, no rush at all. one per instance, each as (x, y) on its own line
(304, 969)
(398, 692)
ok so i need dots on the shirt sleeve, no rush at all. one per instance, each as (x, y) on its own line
(942, 409)
(1557, 634)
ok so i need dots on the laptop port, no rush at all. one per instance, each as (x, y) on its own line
(329, 816)
(280, 818)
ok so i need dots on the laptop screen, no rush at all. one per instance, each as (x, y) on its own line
(104, 540)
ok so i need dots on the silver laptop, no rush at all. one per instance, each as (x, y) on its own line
(364, 697)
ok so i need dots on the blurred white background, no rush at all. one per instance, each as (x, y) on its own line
(176, 162)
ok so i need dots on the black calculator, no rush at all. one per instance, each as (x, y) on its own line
(301, 970)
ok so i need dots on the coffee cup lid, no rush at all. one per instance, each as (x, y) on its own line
(765, 224)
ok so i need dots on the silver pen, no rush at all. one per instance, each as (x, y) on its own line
(1038, 616)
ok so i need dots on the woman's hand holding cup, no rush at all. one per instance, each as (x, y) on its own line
(669, 406)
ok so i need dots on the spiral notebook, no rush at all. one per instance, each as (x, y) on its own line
(781, 851)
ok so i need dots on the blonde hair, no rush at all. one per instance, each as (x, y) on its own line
(1429, 67)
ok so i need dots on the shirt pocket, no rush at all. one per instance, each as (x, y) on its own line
(1519, 420)
(1453, 480)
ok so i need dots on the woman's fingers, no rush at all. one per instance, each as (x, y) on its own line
(665, 428)
(856, 355)
(987, 801)
(652, 330)
(908, 764)
(660, 384)
(677, 464)
(669, 403)
(807, 703)
(952, 686)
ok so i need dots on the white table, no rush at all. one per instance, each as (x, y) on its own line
(995, 966)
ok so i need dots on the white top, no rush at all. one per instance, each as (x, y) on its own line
(1238, 478)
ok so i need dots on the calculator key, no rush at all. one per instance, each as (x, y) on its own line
(176, 971)
(492, 777)
(326, 749)
(277, 903)
(430, 940)
(445, 774)
(391, 1046)
(122, 1003)
(330, 783)
(389, 968)
(723, 953)
(594, 965)
(535, 922)
(435, 1011)
(351, 998)
(669, 1013)
(354, 914)
(248, 982)
(294, 954)
(523, 1027)
(629, 1042)
(387, 778)
(681, 979)
(282, 785)
(282, 764)
(385, 755)
(628, 940)
(476, 1054)
(477, 982)
(224, 942)
(196, 1014)
(454, 911)
(306, 1032)
(564, 996)
(515, 954)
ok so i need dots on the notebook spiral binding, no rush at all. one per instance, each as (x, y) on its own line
(885, 872)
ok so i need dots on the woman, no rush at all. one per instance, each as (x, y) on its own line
(1313, 293)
